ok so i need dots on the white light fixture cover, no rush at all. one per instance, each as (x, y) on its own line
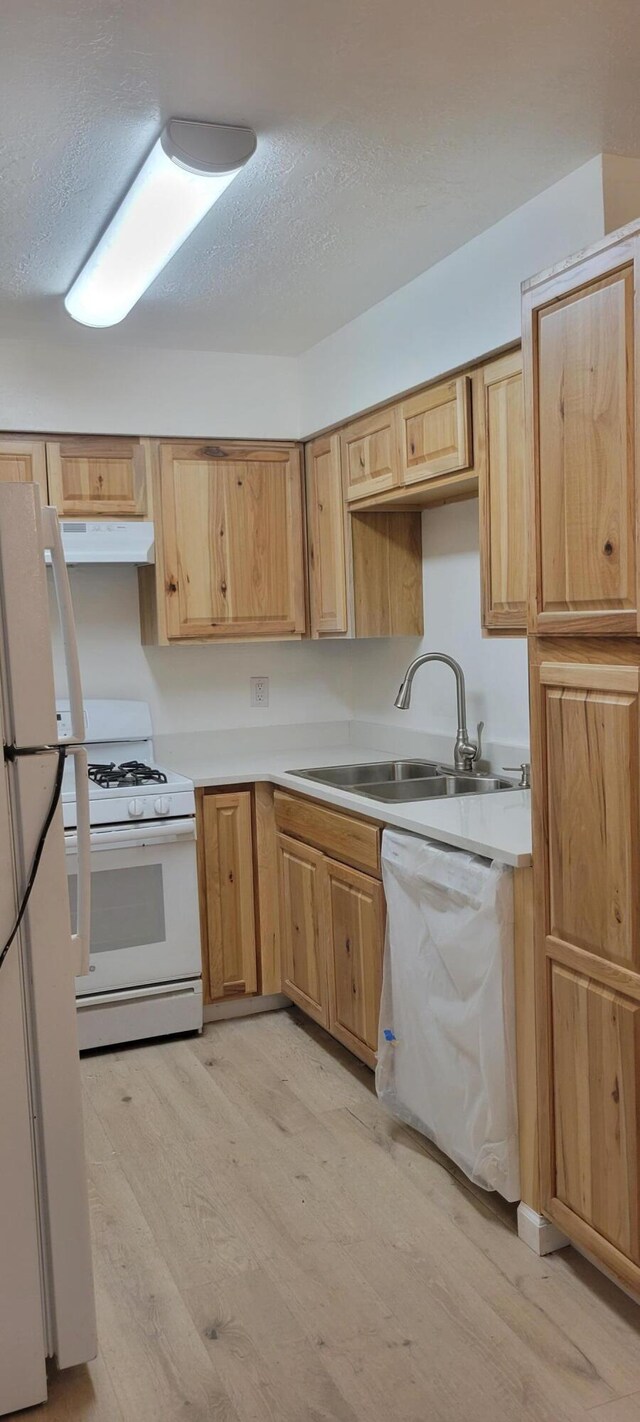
(189, 166)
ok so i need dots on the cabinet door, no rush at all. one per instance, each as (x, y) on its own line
(23, 461)
(435, 428)
(371, 453)
(228, 900)
(356, 917)
(232, 541)
(579, 334)
(586, 779)
(303, 927)
(327, 538)
(503, 542)
(98, 477)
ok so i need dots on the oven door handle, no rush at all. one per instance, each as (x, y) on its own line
(135, 836)
(81, 939)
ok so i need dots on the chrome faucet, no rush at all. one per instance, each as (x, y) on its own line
(466, 752)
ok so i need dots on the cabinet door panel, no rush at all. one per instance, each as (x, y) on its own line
(23, 461)
(98, 477)
(436, 431)
(229, 893)
(232, 541)
(356, 931)
(580, 336)
(503, 542)
(596, 1054)
(592, 737)
(327, 538)
(371, 453)
(303, 927)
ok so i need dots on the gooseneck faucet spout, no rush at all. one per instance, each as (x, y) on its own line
(466, 752)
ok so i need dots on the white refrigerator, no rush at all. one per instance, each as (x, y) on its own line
(46, 1285)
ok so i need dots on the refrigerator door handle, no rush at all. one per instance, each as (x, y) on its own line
(81, 939)
(53, 541)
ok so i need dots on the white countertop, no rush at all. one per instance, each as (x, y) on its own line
(495, 825)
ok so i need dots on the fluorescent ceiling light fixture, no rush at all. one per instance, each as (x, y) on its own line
(188, 168)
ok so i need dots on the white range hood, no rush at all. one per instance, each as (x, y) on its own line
(102, 541)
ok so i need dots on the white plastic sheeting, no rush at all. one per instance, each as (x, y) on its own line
(446, 1052)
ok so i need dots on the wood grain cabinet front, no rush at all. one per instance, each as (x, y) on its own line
(586, 778)
(303, 927)
(435, 431)
(99, 477)
(23, 461)
(356, 919)
(229, 542)
(580, 334)
(228, 915)
(371, 453)
(502, 489)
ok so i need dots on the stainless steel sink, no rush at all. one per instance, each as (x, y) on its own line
(350, 776)
(399, 781)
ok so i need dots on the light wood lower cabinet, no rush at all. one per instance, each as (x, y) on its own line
(303, 927)
(586, 781)
(228, 914)
(356, 919)
(332, 919)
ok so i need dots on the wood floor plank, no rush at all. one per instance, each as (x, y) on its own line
(157, 1364)
(626, 1409)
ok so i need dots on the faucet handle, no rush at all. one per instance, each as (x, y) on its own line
(479, 730)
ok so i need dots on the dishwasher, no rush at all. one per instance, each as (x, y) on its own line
(446, 1051)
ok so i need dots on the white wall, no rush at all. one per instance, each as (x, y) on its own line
(466, 305)
(196, 688)
(86, 386)
(495, 668)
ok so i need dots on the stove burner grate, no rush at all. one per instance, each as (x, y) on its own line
(131, 772)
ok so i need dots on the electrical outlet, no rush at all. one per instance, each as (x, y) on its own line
(259, 690)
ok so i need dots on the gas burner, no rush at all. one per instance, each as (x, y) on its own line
(131, 772)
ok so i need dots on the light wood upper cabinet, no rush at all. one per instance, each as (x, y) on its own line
(365, 569)
(23, 461)
(99, 477)
(328, 590)
(227, 893)
(503, 501)
(371, 453)
(579, 334)
(356, 918)
(229, 545)
(586, 788)
(435, 431)
(303, 927)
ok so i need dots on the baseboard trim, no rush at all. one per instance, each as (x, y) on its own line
(244, 1006)
(537, 1231)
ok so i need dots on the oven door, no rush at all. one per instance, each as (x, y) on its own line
(145, 926)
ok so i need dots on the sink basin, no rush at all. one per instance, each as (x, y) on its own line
(438, 787)
(351, 776)
(399, 781)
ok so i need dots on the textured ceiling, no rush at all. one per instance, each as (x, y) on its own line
(389, 133)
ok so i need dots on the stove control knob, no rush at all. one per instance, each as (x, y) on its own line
(136, 809)
(162, 805)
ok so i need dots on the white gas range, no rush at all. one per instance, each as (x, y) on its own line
(144, 976)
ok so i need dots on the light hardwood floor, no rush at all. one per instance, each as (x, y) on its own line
(271, 1247)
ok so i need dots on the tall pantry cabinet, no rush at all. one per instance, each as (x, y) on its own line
(580, 336)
